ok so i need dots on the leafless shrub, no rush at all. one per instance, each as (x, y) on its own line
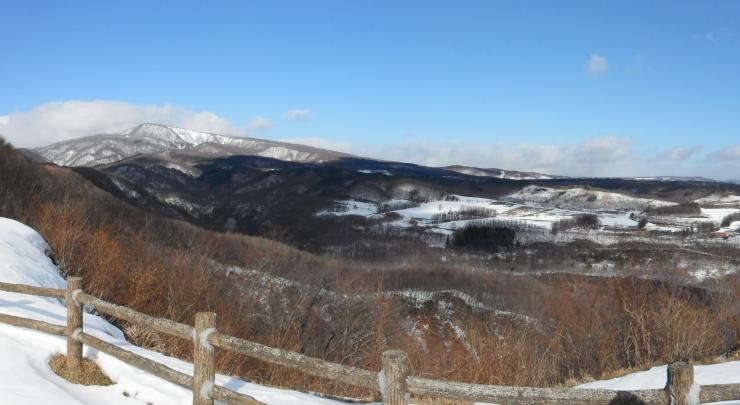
(144, 337)
(684, 209)
(585, 221)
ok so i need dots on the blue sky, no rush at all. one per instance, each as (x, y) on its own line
(580, 88)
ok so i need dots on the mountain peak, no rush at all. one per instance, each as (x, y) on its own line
(152, 138)
(146, 127)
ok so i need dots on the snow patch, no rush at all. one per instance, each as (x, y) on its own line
(579, 198)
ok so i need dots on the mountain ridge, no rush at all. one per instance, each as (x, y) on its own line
(150, 138)
(169, 141)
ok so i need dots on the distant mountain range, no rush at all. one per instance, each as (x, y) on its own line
(179, 144)
(166, 141)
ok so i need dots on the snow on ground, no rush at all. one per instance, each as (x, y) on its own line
(385, 172)
(432, 213)
(535, 209)
(578, 198)
(733, 227)
(663, 228)
(655, 378)
(722, 373)
(617, 219)
(428, 213)
(352, 207)
(716, 214)
(26, 377)
(715, 199)
(192, 208)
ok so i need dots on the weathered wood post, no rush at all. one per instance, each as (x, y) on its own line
(204, 359)
(680, 383)
(396, 368)
(74, 327)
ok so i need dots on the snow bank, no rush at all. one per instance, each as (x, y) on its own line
(718, 199)
(655, 378)
(723, 373)
(580, 198)
(26, 377)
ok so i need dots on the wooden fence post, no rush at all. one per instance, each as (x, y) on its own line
(204, 359)
(396, 368)
(680, 383)
(74, 327)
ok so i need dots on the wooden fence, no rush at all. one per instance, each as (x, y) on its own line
(394, 381)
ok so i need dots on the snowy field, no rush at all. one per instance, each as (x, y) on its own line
(540, 208)
(26, 377)
(432, 214)
(722, 373)
(655, 378)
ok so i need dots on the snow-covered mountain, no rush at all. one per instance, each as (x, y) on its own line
(154, 138)
(175, 143)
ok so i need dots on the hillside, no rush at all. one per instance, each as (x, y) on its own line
(285, 191)
(25, 257)
(23, 253)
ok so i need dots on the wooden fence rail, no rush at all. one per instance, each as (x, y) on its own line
(394, 381)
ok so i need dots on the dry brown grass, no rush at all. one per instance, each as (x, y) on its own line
(90, 373)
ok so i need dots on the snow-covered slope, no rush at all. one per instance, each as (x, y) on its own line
(721, 373)
(581, 198)
(499, 173)
(153, 138)
(655, 378)
(719, 199)
(26, 378)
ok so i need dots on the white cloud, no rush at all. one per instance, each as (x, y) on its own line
(207, 121)
(596, 65)
(679, 153)
(298, 114)
(727, 153)
(259, 123)
(603, 150)
(607, 156)
(56, 121)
